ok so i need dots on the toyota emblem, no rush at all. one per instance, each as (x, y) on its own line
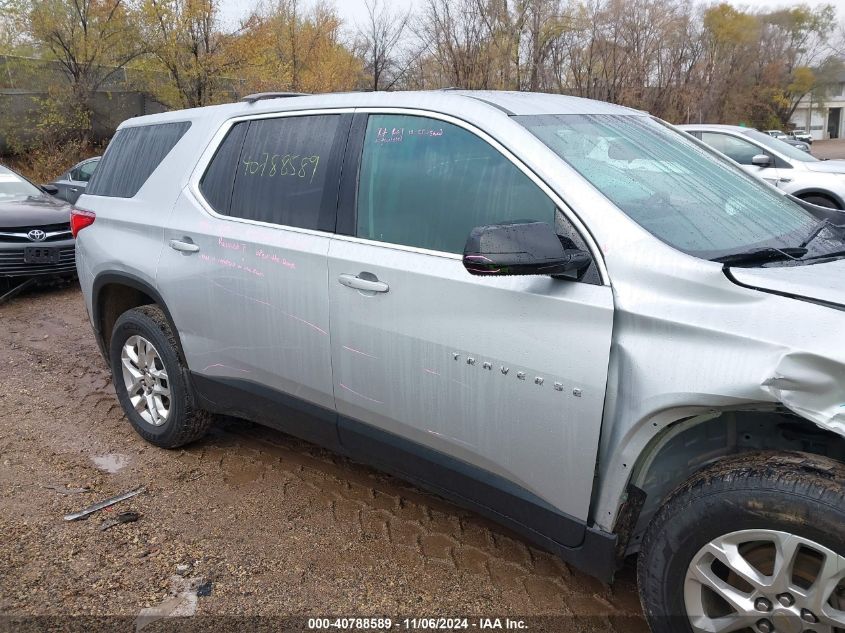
(37, 235)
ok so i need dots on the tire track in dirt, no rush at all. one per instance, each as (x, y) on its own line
(263, 513)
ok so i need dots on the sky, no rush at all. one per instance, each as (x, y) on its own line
(354, 11)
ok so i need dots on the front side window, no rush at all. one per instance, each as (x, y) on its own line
(84, 172)
(780, 146)
(735, 148)
(427, 183)
(683, 194)
(287, 172)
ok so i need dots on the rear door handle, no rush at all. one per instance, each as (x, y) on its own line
(184, 247)
(353, 281)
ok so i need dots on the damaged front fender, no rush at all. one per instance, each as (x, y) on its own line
(812, 387)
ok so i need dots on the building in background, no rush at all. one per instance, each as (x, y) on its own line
(823, 117)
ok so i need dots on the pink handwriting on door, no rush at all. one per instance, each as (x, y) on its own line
(232, 246)
(228, 263)
(272, 257)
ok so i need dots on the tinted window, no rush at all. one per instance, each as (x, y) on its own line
(218, 180)
(739, 150)
(428, 183)
(288, 171)
(132, 156)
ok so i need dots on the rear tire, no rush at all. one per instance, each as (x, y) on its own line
(150, 381)
(744, 509)
(821, 201)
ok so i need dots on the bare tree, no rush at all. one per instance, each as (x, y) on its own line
(379, 41)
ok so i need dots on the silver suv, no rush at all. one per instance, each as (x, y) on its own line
(561, 313)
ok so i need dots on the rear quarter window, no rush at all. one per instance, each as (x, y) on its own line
(132, 156)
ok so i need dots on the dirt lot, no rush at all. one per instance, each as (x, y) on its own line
(277, 526)
(829, 149)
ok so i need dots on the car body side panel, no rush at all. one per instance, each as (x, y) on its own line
(468, 366)
(252, 303)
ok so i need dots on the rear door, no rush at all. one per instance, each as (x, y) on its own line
(245, 269)
(503, 379)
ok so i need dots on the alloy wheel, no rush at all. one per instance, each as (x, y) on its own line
(765, 581)
(146, 380)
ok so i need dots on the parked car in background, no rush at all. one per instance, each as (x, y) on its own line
(779, 134)
(564, 314)
(35, 235)
(805, 137)
(804, 147)
(794, 171)
(72, 184)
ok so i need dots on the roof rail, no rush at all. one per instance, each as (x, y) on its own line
(258, 96)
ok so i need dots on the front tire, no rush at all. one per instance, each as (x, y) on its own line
(151, 382)
(754, 543)
(821, 201)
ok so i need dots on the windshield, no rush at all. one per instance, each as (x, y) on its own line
(779, 146)
(14, 187)
(679, 190)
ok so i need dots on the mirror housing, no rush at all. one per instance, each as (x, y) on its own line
(51, 189)
(521, 248)
(761, 160)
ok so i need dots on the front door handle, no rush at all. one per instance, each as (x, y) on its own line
(359, 283)
(184, 247)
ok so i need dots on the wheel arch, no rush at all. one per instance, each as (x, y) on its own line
(825, 193)
(114, 293)
(692, 443)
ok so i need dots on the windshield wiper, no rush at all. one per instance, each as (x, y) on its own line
(818, 228)
(766, 254)
(826, 255)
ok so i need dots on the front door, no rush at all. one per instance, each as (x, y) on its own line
(743, 151)
(503, 376)
(245, 252)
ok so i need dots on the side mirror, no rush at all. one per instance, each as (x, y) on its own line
(521, 248)
(762, 160)
(51, 189)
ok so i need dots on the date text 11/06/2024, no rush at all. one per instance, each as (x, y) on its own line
(431, 623)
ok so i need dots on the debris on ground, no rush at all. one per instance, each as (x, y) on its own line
(67, 491)
(75, 516)
(204, 590)
(181, 603)
(123, 517)
(183, 569)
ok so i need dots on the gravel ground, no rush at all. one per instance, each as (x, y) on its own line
(261, 523)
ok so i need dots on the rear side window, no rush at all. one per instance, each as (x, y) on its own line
(287, 174)
(219, 179)
(132, 156)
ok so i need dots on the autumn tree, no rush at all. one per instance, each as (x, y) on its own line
(92, 40)
(187, 40)
(299, 48)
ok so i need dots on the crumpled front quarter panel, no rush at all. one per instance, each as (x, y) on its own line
(688, 341)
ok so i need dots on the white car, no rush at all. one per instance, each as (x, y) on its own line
(820, 182)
